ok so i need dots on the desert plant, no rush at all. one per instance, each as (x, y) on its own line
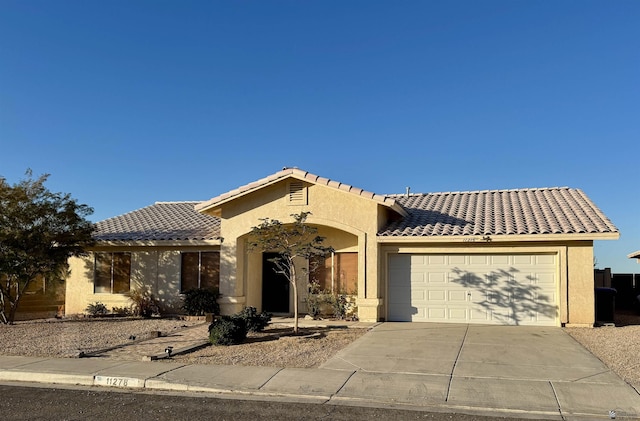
(121, 311)
(340, 306)
(316, 300)
(96, 309)
(144, 303)
(253, 321)
(199, 301)
(227, 330)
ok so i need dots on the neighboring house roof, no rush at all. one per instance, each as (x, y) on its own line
(177, 221)
(558, 210)
(300, 175)
(635, 255)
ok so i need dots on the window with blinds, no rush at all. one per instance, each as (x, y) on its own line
(112, 273)
(336, 273)
(200, 269)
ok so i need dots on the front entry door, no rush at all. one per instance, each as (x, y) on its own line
(275, 287)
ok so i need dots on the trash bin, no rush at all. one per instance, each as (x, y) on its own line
(605, 304)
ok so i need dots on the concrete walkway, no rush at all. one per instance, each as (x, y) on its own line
(489, 370)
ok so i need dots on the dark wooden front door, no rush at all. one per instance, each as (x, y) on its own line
(275, 287)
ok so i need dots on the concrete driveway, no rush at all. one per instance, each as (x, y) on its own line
(504, 369)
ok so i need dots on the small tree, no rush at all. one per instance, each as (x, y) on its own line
(297, 240)
(39, 231)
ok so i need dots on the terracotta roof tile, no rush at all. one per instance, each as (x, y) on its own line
(161, 221)
(558, 210)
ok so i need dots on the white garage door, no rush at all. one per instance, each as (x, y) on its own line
(515, 289)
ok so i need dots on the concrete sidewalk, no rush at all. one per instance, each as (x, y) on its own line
(489, 370)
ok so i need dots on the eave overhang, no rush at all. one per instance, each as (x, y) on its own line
(487, 239)
(156, 243)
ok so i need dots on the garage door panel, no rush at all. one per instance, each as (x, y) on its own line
(457, 296)
(500, 260)
(457, 259)
(437, 314)
(437, 295)
(478, 259)
(474, 288)
(458, 315)
(437, 277)
(419, 295)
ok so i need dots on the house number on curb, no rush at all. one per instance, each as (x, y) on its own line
(117, 381)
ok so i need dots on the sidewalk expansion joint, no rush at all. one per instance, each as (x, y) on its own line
(269, 379)
(555, 396)
(342, 385)
(455, 363)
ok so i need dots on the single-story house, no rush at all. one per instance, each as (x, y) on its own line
(517, 257)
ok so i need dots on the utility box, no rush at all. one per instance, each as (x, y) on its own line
(605, 305)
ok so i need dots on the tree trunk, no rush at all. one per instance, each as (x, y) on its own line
(294, 283)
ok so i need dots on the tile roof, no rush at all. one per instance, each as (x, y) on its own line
(301, 175)
(558, 210)
(634, 255)
(160, 221)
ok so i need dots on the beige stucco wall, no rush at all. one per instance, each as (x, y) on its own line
(156, 268)
(349, 222)
(580, 284)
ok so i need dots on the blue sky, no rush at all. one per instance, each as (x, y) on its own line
(128, 102)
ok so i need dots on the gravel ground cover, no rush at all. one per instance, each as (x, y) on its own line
(275, 347)
(69, 337)
(618, 347)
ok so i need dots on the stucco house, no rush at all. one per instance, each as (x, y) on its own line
(518, 257)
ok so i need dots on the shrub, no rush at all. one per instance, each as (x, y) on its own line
(315, 300)
(253, 321)
(121, 311)
(199, 301)
(227, 330)
(97, 309)
(340, 306)
(144, 303)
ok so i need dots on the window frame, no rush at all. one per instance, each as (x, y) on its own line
(332, 271)
(113, 271)
(201, 270)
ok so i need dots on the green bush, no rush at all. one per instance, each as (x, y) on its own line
(199, 301)
(144, 303)
(227, 330)
(253, 321)
(97, 309)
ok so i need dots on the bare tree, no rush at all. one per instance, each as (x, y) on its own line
(297, 240)
(39, 231)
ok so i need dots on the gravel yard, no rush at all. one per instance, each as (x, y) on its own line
(274, 348)
(67, 338)
(618, 347)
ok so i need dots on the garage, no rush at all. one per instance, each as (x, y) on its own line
(504, 289)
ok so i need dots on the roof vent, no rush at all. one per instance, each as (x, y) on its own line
(297, 194)
(408, 191)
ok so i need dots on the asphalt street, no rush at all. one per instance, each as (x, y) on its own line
(34, 403)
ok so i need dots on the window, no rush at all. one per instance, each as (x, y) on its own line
(337, 273)
(112, 273)
(200, 269)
